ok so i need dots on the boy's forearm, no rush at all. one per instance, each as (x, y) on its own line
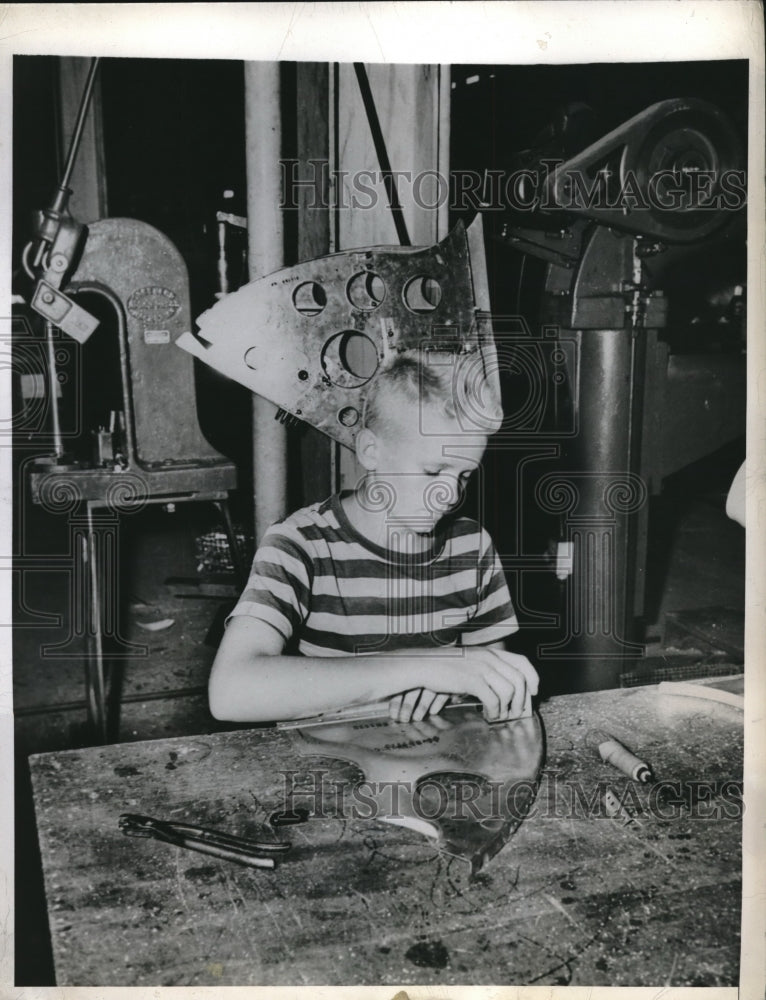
(265, 685)
(274, 688)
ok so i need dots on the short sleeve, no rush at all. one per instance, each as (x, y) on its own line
(279, 585)
(494, 618)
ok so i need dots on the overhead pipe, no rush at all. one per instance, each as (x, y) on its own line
(265, 235)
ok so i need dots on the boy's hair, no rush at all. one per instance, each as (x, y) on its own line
(408, 375)
(447, 382)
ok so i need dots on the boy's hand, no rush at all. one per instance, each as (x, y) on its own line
(504, 682)
(415, 705)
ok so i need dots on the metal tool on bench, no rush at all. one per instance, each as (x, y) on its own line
(253, 853)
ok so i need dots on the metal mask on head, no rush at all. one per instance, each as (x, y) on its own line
(310, 338)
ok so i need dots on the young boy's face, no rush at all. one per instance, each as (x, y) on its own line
(426, 472)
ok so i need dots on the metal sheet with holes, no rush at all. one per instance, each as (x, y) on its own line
(311, 337)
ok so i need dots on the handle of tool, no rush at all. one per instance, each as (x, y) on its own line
(217, 838)
(218, 851)
(357, 713)
(618, 756)
(204, 841)
(351, 713)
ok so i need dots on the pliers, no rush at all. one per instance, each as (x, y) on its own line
(254, 853)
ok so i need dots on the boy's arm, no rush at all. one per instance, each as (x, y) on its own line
(252, 681)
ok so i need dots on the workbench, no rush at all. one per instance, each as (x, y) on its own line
(576, 897)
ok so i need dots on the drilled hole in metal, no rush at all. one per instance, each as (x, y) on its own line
(422, 294)
(349, 359)
(366, 290)
(348, 416)
(309, 298)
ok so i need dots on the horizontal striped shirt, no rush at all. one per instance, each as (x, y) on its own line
(329, 591)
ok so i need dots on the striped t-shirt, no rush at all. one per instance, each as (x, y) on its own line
(319, 582)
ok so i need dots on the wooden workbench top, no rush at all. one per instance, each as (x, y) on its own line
(575, 897)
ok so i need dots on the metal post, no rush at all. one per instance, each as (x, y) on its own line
(53, 385)
(82, 129)
(598, 490)
(606, 454)
(96, 683)
(265, 233)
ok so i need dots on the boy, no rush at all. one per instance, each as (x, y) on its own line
(385, 593)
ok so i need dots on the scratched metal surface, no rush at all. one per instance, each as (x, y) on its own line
(574, 898)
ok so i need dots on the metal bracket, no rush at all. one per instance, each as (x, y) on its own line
(52, 304)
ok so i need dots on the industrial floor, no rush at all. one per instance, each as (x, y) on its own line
(696, 598)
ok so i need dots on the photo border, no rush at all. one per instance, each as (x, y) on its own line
(532, 32)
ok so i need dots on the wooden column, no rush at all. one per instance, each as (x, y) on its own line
(313, 234)
(413, 110)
